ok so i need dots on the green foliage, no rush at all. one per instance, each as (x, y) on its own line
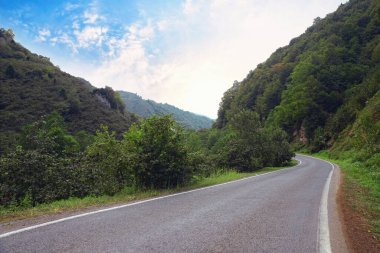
(321, 90)
(43, 167)
(315, 87)
(107, 157)
(84, 139)
(31, 177)
(253, 146)
(364, 133)
(31, 86)
(159, 158)
(244, 145)
(50, 136)
(362, 182)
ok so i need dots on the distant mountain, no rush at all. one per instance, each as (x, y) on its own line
(31, 87)
(145, 108)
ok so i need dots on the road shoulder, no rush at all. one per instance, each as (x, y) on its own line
(355, 225)
(337, 226)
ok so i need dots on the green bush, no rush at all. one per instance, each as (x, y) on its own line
(159, 157)
(108, 157)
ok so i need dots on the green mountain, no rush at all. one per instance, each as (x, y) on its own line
(322, 88)
(145, 108)
(31, 87)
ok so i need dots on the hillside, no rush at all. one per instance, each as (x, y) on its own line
(317, 86)
(323, 89)
(31, 86)
(145, 108)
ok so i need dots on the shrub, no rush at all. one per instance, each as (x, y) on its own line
(159, 159)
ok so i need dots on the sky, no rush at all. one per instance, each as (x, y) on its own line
(183, 52)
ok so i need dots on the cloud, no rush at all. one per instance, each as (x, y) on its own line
(191, 56)
(91, 17)
(85, 29)
(129, 62)
(205, 48)
(65, 39)
(43, 35)
(91, 35)
(71, 6)
(190, 7)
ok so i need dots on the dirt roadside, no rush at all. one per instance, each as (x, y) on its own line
(354, 225)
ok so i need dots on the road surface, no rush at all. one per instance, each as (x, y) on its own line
(274, 212)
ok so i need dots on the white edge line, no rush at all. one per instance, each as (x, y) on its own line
(324, 243)
(135, 203)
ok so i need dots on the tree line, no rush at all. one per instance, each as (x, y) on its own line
(49, 163)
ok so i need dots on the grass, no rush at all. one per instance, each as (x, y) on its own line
(126, 195)
(361, 185)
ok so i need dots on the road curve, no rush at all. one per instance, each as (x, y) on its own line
(275, 212)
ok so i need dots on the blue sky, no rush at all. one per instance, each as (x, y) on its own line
(183, 52)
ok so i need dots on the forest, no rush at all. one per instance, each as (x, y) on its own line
(317, 87)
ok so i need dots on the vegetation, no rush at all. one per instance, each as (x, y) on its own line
(146, 108)
(357, 152)
(63, 139)
(320, 92)
(315, 87)
(361, 184)
(323, 90)
(125, 195)
(49, 163)
(32, 87)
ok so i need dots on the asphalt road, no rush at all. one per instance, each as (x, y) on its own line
(276, 212)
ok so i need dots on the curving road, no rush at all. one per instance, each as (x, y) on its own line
(274, 212)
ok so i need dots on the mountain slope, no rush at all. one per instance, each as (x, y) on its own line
(145, 108)
(315, 87)
(323, 89)
(31, 86)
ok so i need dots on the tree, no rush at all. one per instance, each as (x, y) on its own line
(49, 135)
(251, 146)
(108, 159)
(159, 158)
(245, 147)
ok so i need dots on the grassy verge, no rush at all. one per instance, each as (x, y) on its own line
(361, 185)
(126, 195)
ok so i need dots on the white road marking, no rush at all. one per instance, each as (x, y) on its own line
(133, 204)
(324, 243)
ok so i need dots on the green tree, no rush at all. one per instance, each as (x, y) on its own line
(49, 135)
(159, 157)
(84, 139)
(109, 159)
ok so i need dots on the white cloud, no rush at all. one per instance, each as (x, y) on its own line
(76, 25)
(189, 59)
(91, 35)
(91, 17)
(43, 35)
(71, 6)
(64, 38)
(190, 7)
(129, 62)
(162, 25)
